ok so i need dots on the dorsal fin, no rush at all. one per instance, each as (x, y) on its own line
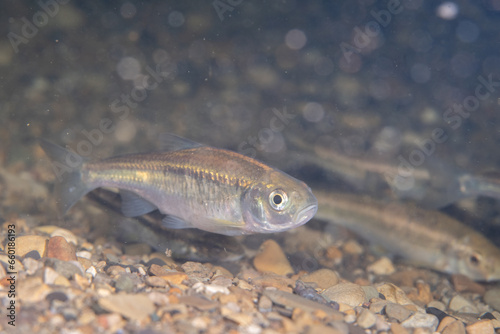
(171, 142)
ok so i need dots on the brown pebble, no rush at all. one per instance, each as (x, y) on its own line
(455, 327)
(347, 293)
(135, 307)
(353, 247)
(335, 254)
(265, 304)
(324, 278)
(366, 319)
(156, 282)
(29, 243)
(398, 312)
(382, 266)
(481, 327)
(157, 270)
(271, 258)
(175, 278)
(393, 293)
(323, 329)
(276, 281)
(445, 322)
(462, 283)
(115, 270)
(398, 329)
(59, 248)
(424, 293)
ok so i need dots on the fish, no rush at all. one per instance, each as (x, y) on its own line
(193, 185)
(433, 185)
(422, 237)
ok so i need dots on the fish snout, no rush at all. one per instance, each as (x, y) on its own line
(304, 215)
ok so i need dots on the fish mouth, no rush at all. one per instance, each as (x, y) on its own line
(304, 215)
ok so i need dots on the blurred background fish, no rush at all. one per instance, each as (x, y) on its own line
(422, 237)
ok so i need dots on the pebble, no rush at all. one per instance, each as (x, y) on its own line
(462, 283)
(265, 304)
(492, 298)
(461, 304)
(437, 304)
(32, 290)
(393, 293)
(271, 258)
(65, 268)
(398, 312)
(366, 319)
(49, 275)
(353, 247)
(421, 320)
(30, 265)
(125, 283)
(383, 266)
(324, 278)
(378, 306)
(156, 282)
(481, 327)
(29, 243)
(59, 248)
(175, 278)
(136, 307)
(346, 293)
(445, 322)
(198, 271)
(398, 329)
(3, 273)
(451, 326)
(53, 231)
(370, 292)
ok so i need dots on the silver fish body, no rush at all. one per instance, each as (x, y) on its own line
(198, 186)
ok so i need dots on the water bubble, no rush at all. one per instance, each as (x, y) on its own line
(128, 68)
(295, 39)
(128, 10)
(447, 10)
(176, 19)
(313, 112)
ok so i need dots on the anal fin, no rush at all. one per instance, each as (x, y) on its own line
(175, 223)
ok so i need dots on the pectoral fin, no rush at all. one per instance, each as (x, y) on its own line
(134, 205)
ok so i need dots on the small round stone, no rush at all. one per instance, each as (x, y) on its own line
(346, 293)
(271, 258)
(324, 278)
(492, 298)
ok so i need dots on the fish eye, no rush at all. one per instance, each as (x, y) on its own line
(474, 259)
(278, 199)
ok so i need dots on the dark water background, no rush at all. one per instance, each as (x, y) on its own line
(375, 77)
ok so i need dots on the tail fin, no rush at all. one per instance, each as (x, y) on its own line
(66, 165)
